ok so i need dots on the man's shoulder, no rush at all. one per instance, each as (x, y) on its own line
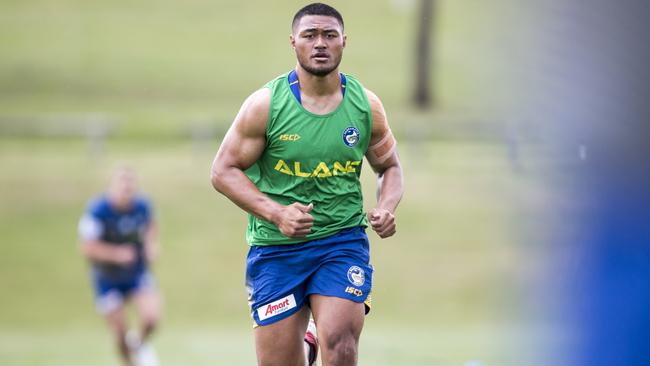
(142, 203)
(364, 96)
(352, 79)
(262, 96)
(259, 98)
(374, 102)
(256, 108)
(254, 113)
(98, 206)
(276, 80)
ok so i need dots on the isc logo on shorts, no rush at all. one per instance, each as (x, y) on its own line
(354, 291)
(276, 307)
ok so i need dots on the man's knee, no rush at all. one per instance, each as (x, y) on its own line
(148, 304)
(150, 323)
(340, 346)
(116, 322)
(281, 352)
(119, 330)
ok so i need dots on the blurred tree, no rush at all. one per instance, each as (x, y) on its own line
(422, 95)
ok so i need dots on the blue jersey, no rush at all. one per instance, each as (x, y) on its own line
(103, 222)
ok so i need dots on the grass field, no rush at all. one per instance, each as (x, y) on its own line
(382, 346)
(159, 68)
(445, 286)
(165, 79)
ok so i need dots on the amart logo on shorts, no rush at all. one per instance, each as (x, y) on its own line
(276, 307)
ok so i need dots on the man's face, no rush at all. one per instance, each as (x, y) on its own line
(319, 42)
(123, 188)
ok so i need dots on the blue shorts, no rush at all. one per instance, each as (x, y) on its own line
(111, 294)
(280, 278)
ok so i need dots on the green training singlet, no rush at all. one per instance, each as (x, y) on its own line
(311, 158)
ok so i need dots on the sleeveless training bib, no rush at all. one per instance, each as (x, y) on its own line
(311, 158)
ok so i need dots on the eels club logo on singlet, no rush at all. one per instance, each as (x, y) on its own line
(351, 136)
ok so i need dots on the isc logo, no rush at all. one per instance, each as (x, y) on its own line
(353, 291)
(289, 137)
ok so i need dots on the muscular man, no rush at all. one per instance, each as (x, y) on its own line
(292, 159)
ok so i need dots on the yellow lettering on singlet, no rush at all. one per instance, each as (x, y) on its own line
(321, 171)
(296, 168)
(350, 166)
(339, 168)
(289, 137)
(282, 167)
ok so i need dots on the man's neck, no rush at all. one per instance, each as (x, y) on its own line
(317, 86)
(119, 205)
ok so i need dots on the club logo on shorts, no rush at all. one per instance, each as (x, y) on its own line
(351, 136)
(356, 276)
(276, 307)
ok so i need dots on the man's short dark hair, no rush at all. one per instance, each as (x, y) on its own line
(317, 9)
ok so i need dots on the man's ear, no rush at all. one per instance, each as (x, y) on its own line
(292, 41)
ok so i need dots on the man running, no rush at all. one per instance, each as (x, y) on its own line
(118, 236)
(292, 159)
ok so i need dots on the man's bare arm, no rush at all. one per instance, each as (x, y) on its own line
(382, 156)
(100, 251)
(242, 146)
(151, 242)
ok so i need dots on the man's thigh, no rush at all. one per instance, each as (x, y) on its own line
(337, 318)
(148, 304)
(116, 320)
(281, 343)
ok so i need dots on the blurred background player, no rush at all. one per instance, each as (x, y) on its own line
(292, 159)
(119, 238)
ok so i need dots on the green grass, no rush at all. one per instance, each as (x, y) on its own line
(449, 276)
(447, 287)
(159, 68)
(380, 346)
